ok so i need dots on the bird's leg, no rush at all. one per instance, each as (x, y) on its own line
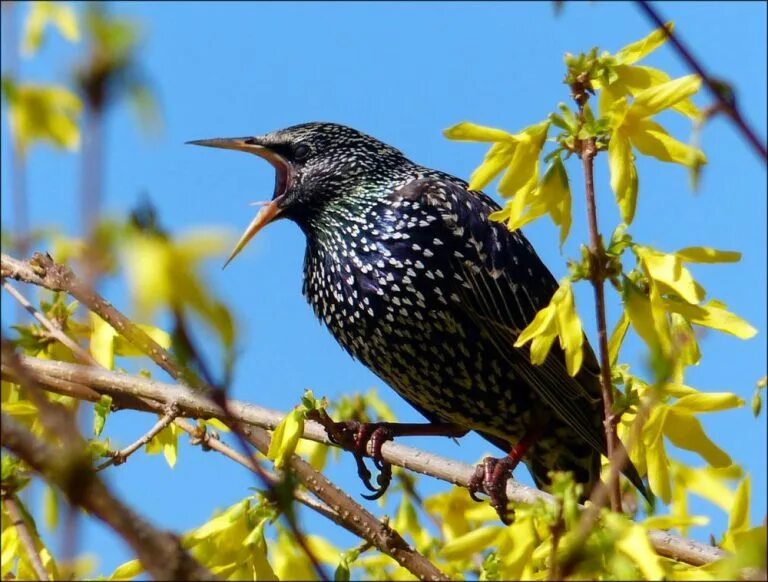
(492, 474)
(355, 436)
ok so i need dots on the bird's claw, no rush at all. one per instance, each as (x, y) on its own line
(355, 436)
(490, 477)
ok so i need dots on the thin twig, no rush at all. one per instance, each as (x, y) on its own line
(556, 529)
(52, 328)
(17, 519)
(119, 457)
(51, 374)
(714, 87)
(597, 276)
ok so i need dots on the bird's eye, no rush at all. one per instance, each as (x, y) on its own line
(301, 152)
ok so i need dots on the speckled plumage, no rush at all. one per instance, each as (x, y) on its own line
(411, 277)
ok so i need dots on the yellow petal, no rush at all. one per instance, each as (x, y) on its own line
(102, 342)
(707, 255)
(652, 140)
(685, 431)
(497, 158)
(617, 337)
(646, 316)
(569, 329)
(285, 438)
(523, 170)
(636, 545)
(524, 207)
(127, 571)
(713, 316)
(668, 271)
(471, 543)
(708, 482)
(634, 80)
(623, 174)
(656, 461)
(738, 517)
(42, 14)
(637, 50)
(707, 402)
(125, 348)
(554, 193)
(611, 102)
(466, 131)
(659, 97)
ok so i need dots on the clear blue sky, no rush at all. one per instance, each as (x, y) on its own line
(402, 72)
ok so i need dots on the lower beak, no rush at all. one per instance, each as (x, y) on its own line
(271, 210)
(266, 215)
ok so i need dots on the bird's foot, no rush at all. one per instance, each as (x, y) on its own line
(355, 436)
(491, 478)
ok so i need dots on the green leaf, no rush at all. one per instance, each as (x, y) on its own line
(101, 410)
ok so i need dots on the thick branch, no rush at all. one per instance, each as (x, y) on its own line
(59, 375)
(160, 552)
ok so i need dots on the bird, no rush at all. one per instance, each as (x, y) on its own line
(412, 277)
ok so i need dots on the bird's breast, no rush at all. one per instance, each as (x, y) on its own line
(388, 290)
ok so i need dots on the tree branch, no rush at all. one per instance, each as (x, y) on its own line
(18, 521)
(119, 457)
(160, 553)
(59, 376)
(597, 277)
(725, 104)
(43, 271)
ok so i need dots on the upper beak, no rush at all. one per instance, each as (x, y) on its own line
(269, 211)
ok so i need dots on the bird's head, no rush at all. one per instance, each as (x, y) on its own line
(317, 166)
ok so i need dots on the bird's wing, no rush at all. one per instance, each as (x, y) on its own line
(504, 285)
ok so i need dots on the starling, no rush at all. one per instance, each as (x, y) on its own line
(412, 278)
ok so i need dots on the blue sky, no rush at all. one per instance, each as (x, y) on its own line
(402, 72)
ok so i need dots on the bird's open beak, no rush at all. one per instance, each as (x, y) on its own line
(270, 210)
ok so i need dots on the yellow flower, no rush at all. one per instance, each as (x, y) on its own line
(558, 319)
(632, 124)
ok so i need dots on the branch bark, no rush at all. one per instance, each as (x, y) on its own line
(60, 376)
(597, 277)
